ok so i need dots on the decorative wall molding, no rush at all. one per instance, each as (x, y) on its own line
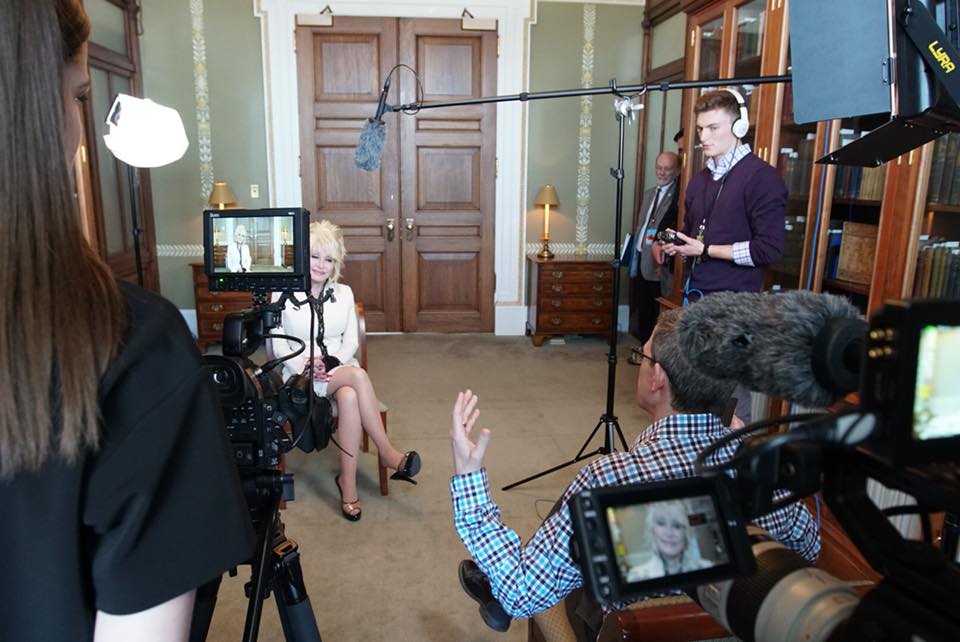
(278, 22)
(585, 128)
(201, 96)
(188, 250)
(605, 249)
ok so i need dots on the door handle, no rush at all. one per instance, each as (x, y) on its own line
(409, 226)
(391, 226)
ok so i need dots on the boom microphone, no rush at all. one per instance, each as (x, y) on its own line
(373, 136)
(797, 345)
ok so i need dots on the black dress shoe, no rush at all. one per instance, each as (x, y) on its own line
(409, 467)
(477, 586)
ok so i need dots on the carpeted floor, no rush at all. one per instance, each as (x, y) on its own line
(393, 575)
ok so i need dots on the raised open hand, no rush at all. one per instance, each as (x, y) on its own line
(467, 456)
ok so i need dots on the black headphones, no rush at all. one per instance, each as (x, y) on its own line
(741, 125)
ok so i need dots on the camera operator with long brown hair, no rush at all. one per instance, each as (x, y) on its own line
(118, 489)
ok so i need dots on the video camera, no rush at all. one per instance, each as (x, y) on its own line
(905, 434)
(259, 251)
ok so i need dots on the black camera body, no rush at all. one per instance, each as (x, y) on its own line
(905, 434)
(669, 236)
(264, 416)
(251, 408)
(617, 533)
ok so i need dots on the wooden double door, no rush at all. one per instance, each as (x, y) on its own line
(420, 230)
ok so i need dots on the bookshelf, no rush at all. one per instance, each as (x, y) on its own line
(891, 215)
(936, 264)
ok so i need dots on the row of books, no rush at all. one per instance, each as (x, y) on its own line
(938, 269)
(944, 185)
(862, 183)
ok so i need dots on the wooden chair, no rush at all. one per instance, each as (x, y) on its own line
(362, 334)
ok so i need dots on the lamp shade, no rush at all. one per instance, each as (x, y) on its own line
(547, 196)
(221, 195)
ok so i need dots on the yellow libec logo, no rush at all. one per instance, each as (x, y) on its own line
(942, 57)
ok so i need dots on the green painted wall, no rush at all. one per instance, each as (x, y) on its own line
(235, 89)
(235, 83)
(556, 44)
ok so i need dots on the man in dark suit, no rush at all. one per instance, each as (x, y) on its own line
(651, 279)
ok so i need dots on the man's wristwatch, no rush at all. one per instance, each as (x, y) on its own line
(705, 254)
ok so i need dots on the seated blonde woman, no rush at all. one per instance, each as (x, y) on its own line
(341, 378)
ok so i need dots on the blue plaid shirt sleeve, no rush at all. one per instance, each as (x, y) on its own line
(524, 579)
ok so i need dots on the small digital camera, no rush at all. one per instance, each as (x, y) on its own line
(668, 236)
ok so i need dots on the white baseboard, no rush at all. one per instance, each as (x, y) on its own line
(510, 320)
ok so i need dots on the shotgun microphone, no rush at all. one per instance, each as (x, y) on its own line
(373, 136)
(797, 345)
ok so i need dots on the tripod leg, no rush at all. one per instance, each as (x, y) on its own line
(293, 603)
(262, 569)
(203, 609)
(578, 457)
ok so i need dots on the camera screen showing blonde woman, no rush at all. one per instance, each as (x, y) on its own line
(666, 537)
(258, 244)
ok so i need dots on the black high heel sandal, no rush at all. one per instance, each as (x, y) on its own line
(347, 508)
(409, 467)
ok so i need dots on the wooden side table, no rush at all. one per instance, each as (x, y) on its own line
(212, 307)
(569, 295)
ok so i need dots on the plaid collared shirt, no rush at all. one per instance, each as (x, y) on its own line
(528, 579)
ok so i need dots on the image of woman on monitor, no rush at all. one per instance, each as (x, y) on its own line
(673, 546)
(238, 252)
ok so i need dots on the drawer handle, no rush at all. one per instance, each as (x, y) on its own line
(556, 287)
(557, 274)
(597, 303)
(599, 275)
(598, 287)
(217, 307)
(556, 303)
(555, 320)
(218, 326)
(597, 321)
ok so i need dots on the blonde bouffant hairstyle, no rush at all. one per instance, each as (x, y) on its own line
(328, 238)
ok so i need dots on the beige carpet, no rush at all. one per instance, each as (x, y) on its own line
(393, 575)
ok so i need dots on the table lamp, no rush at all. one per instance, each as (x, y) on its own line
(547, 196)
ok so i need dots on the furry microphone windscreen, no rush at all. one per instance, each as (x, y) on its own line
(765, 341)
(370, 147)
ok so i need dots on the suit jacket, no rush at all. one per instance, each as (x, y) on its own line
(642, 263)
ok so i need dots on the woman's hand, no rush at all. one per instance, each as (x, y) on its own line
(318, 369)
(691, 246)
(467, 456)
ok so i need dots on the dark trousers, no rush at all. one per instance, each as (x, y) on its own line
(644, 309)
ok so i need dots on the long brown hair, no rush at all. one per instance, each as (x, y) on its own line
(63, 317)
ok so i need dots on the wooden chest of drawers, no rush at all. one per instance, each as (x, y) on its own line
(569, 295)
(212, 307)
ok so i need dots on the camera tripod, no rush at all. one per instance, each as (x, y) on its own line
(275, 567)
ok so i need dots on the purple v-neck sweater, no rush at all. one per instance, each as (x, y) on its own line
(750, 208)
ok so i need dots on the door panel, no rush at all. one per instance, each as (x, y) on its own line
(341, 70)
(447, 179)
(438, 192)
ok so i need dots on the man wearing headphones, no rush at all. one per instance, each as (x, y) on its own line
(733, 224)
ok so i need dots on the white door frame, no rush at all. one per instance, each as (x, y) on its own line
(277, 25)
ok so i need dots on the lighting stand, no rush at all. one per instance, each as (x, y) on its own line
(624, 107)
(133, 185)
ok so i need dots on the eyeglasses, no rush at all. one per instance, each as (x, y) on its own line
(637, 357)
(645, 356)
